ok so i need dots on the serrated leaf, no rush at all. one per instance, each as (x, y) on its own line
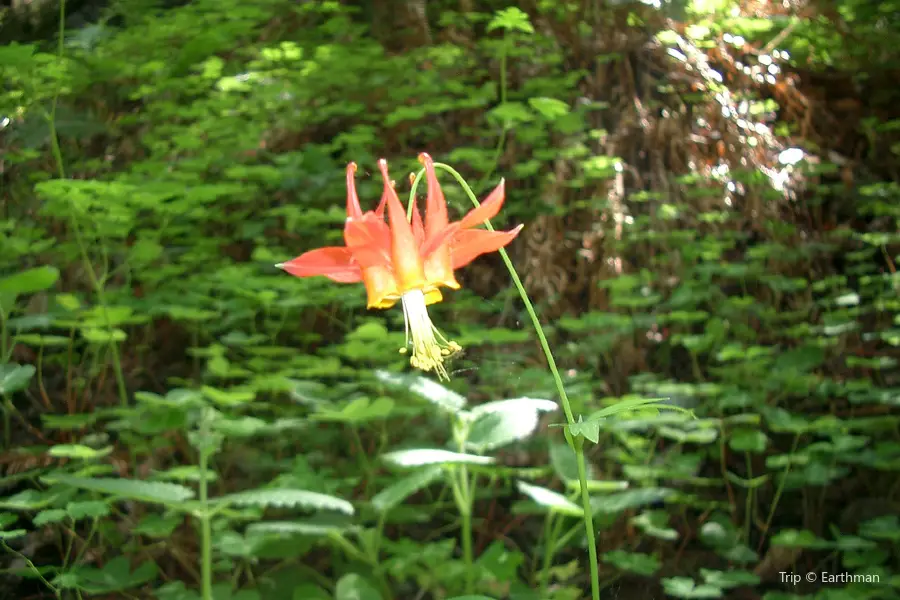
(426, 389)
(287, 498)
(505, 421)
(402, 489)
(144, 491)
(550, 499)
(433, 456)
(287, 528)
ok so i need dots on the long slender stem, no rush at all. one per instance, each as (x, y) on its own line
(56, 150)
(576, 443)
(205, 520)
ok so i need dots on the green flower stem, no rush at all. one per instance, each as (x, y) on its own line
(576, 443)
(206, 519)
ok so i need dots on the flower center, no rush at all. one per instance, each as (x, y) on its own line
(429, 346)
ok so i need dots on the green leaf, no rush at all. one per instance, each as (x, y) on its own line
(53, 515)
(29, 281)
(14, 378)
(78, 451)
(232, 397)
(186, 473)
(511, 19)
(287, 498)
(433, 456)
(554, 501)
(403, 488)
(144, 491)
(358, 411)
(589, 429)
(92, 509)
(433, 392)
(97, 335)
(158, 526)
(729, 579)
(685, 587)
(748, 440)
(565, 462)
(505, 421)
(634, 562)
(17, 55)
(308, 527)
(549, 108)
(116, 575)
(655, 523)
(355, 587)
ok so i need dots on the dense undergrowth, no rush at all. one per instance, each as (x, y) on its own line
(710, 199)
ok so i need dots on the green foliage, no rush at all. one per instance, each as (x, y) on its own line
(729, 346)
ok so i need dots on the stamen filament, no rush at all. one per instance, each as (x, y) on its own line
(429, 346)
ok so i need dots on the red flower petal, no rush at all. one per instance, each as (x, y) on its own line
(334, 263)
(487, 210)
(436, 218)
(354, 211)
(469, 244)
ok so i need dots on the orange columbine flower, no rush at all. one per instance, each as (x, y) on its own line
(407, 261)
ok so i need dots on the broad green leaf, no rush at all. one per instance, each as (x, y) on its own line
(433, 456)
(549, 108)
(93, 509)
(511, 19)
(403, 488)
(287, 498)
(505, 421)
(355, 587)
(17, 55)
(144, 491)
(29, 281)
(427, 389)
(554, 501)
(748, 440)
(634, 562)
(14, 378)
(31, 499)
(565, 463)
(52, 515)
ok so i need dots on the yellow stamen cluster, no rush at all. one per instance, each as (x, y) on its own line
(429, 346)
